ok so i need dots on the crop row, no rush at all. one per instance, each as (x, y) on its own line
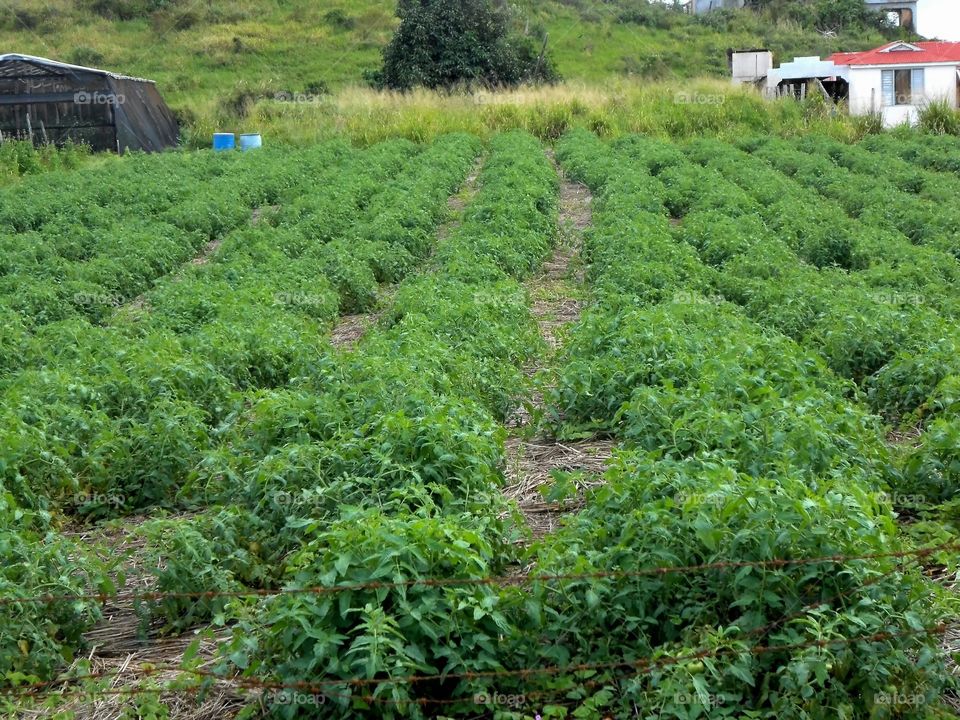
(737, 445)
(873, 199)
(128, 410)
(123, 248)
(384, 465)
(936, 153)
(860, 159)
(405, 452)
(115, 417)
(377, 463)
(890, 326)
(79, 247)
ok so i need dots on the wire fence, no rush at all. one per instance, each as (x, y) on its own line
(327, 688)
(501, 580)
(333, 687)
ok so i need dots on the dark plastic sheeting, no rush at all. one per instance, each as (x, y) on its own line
(127, 113)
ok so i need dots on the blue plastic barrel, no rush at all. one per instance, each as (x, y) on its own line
(250, 141)
(224, 141)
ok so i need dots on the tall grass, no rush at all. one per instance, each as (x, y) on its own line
(665, 109)
(204, 53)
(940, 118)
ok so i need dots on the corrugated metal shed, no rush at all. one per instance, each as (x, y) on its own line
(51, 101)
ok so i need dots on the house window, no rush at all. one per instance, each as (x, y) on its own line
(902, 87)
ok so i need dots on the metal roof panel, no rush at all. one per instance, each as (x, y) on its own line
(56, 65)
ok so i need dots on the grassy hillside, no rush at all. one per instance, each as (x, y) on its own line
(215, 61)
(197, 49)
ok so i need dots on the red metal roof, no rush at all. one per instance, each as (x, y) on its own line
(929, 52)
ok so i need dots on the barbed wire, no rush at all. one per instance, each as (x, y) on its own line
(934, 631)
(639, 667)
(845, 594)
(503, 580)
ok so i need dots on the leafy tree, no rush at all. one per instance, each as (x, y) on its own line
(440, 44)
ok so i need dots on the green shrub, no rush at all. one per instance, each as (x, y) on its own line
(932, 471)
(442, 45)
(909, 380)
(387, 632)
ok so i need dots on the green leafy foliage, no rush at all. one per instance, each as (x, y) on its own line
(384, 465)
(734, 439)
(36, 639)
(370, 633)
(441, 45)
(750, 327)
(666, 513)
(133, 422)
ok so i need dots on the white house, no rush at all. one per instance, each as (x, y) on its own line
(898, 79)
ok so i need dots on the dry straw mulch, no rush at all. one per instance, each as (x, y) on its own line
(531, 463)
(530, 466)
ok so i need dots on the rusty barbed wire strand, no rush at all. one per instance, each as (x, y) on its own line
(47, 688)
(640, 666)
(763, 629)
(504, 580)
(707, 654)
(934, 631)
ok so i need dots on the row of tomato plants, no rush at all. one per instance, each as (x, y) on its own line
(862, 159)
(383, 464)
(123, 416)
(889, 323)
(84, 248)
(81, 243)
(937, 153)
(873, 199)
(736, 445)
(94, 400)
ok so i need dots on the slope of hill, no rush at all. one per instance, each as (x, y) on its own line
(213, 61)
(202, 48)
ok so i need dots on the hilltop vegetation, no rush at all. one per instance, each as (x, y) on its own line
(214, 62)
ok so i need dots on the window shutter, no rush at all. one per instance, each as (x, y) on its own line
(916, 85)
(887, 88)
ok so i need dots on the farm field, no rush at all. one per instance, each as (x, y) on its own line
(484, 427)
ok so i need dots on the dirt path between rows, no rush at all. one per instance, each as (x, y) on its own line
(350, 329)
(557, 302)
